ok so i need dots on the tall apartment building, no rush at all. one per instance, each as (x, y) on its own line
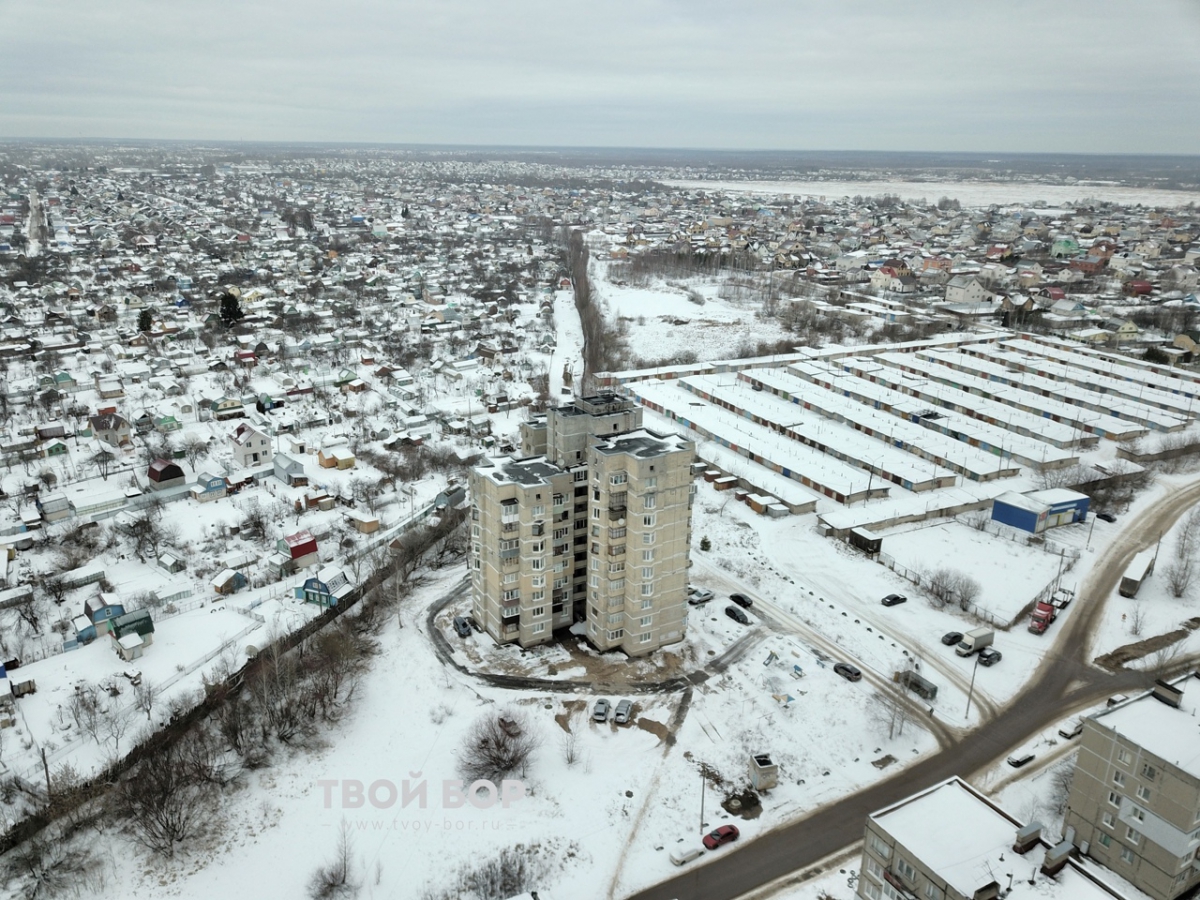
(592, 524)
(949, 842)
(1135, 795)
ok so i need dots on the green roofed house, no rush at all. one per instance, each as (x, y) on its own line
(132, 633)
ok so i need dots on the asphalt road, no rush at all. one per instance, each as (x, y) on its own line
(1063, 681)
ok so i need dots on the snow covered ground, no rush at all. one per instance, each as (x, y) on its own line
(663, 322)
(968, 193)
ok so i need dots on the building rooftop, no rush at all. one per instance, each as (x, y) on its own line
(529, 471)
(641, 443)
(1170, 734)
(967, 840)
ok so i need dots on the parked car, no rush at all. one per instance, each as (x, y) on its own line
(1071, 729)
(681, 857)
(600, 711)
(726, 834)
(737, 615)
(624, 709)
(847, 671)
(461, 626)
(1106, 517)
(741, 600)
(1020, 759)
(699, 596)
(950, 638)
(894, 599)
(989, 656)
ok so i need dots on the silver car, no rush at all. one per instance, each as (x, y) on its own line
(624, 711)
(600, 711)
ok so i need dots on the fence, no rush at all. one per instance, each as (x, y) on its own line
(914, 577)
(1049, 545)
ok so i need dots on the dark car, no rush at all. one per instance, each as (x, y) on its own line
(737, 615)
(1106, 517)
(462, 626)
(726, 834)
(847, 671)
(894, 599)
(950, 638)
(741, 600)
(989, 657)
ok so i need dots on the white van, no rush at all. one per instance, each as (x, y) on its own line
(684, 856)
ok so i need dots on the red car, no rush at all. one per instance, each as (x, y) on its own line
(724, 835)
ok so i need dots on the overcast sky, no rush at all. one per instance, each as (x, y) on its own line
(1065, 75)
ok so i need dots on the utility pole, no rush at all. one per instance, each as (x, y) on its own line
(701, 794)
(971, 692)
(46, 769)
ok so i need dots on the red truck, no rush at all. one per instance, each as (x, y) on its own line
(1043, 614)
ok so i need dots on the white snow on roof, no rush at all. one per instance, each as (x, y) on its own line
(1170, 734)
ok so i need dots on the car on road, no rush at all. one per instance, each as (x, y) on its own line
(682, 857)
(950, 638)
(461, 626)
(847, 671)
(1071, 729)
(989, 656)
(1106, 517)
(699, 596)
(624, 709)
(737, 615)
(894, 600)
(600, 711)
(741, 600)
(1020, 759)
(726, 834)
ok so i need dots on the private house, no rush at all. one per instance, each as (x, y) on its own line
(208, 487)
(965, 289)
(300, 548)
(111, 429)
(132, 633)
(289, 470)
(228, 581)
(328, 588)
(250, 446)
(163, 473)
(336, 457)
(227, 408)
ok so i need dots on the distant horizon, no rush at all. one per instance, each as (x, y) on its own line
(984, 155)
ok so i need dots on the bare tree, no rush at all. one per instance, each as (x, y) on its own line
(333, 879)
(163, 802)
(498, 744)
(193, 448)
(144, 696)
(1137, 619)
(1060, 782)
(47, 868)
(893, 710)
(103, 461)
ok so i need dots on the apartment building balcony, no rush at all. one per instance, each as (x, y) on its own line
(618, 550)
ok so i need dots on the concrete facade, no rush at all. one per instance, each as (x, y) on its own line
(1135, 795)
(595, 527)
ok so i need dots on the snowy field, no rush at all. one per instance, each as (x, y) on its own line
(664, 323)
(968, 193)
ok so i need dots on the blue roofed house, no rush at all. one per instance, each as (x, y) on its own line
(327, 588)
(208, 487)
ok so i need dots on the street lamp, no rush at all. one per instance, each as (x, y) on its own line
(971, 692)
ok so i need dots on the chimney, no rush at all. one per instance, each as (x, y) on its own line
(1167, 693)
(1027, 838)
(990, 891)
(1056, 859)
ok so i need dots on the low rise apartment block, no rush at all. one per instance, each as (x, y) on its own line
(1134, 804)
